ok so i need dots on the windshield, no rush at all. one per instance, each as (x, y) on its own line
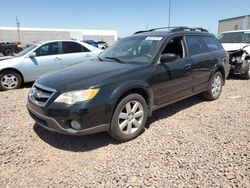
(134, 50)
(235, 37)
(26, 50)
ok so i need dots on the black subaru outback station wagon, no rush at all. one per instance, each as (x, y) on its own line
(120, 90)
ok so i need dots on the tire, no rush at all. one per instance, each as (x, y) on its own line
(8, 52)
(128, 124)
(246, 75)
(10, 80)
(214, 88)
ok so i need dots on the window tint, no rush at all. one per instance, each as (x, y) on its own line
(47, 49)
(73, 47)
(211, 43)
(195, 45)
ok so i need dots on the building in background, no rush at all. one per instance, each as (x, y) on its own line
(237, 23)
(31, 35)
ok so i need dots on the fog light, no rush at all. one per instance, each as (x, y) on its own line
(75, 125)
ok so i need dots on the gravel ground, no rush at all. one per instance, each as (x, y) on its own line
(192, 143)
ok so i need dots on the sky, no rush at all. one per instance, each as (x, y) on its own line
(125, 16)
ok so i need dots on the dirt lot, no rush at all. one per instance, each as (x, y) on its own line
(193, 143)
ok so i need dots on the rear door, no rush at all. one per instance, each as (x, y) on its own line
(47, 59)
(203, 62)
(73, 53)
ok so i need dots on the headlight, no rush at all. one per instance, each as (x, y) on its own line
(77, 96)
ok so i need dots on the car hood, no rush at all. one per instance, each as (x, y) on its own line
(83, 75)
(233, 46)
(6, 57)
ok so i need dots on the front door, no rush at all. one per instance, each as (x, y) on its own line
(46, 60)
(173, 79)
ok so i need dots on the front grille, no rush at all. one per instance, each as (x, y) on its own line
(40, 95)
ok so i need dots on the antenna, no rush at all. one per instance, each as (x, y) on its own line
(18, 29)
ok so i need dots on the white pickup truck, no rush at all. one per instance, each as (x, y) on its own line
(237, 44)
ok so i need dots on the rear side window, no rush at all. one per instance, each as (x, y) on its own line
(195, 45)
(211, 43)
(73, 47)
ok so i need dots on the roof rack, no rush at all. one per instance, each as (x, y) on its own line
(174, 29)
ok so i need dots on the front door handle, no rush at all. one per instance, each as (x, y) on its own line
(188, 66)
(87, 55)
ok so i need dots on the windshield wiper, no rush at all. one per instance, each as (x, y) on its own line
(114, 58)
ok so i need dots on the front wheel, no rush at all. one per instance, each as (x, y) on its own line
(214, 88)
(9, 52)
(129, 118)
(10, 80)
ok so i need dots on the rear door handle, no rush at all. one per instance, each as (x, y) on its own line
(57, 58)
(188, 66)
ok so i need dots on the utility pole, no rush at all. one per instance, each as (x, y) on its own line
(169, 12)
(18, 29)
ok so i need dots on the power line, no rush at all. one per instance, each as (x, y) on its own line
(18, 29)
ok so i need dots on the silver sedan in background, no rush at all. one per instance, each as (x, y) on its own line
(40, 58)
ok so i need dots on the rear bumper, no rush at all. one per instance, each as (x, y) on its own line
(52, 125)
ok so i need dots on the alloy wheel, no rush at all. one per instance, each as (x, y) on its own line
(216, 86)
(131, 117)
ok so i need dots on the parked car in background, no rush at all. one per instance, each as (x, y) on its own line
(9, 48)
(91, 42)
(40, 58)
(134, 77)
(102, 45)
(237, 43)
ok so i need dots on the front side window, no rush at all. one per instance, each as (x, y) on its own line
(73, 47)
(47, 49)
(195, 45)
(175, 46)
(136, 49)
(211, 43)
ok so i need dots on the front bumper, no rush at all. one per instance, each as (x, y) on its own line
(227, 69)
(52, 125)
(240, 68)
(93, 116)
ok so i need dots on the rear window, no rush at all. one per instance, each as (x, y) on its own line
(212, 43)
(195, 45)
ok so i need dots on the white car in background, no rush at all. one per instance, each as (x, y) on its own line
(237, 44)
(41, 58)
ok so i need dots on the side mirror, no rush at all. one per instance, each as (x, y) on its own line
(169, 57)
(32, 54)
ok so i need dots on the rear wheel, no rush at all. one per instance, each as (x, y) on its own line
(246, 75)
(215, 87)
(129, 118)
(10, 80)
